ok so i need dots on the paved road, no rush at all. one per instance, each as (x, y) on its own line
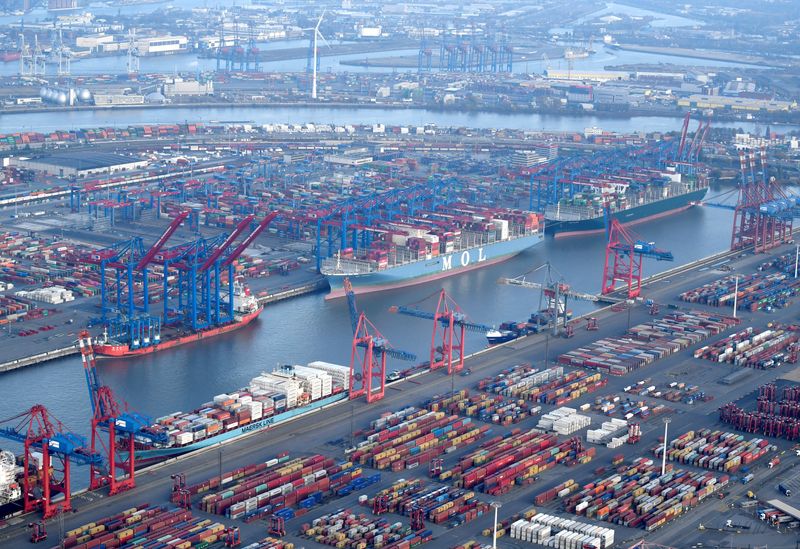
(311, 434)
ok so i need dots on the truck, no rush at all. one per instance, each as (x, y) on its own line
(747, 478)
(783, 489)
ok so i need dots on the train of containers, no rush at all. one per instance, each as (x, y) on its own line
(268, 394)
(756, 291)
(439, 504)
(551, 386)
(648, 342)
(774, 418)
(714, 450)
(345, 529)
(146, 526)
(640, 496)
(748, 347)
(561, 533)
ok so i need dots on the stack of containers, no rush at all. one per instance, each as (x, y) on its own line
(746, 348)
(639, 496)
(517, 458)
(344, 529)
(608, 432)
(412, 437)
(550, 386)
(339, 374)
(278, 484)
(561, 490)
(563, 421)
(290, 388)
(714, 450)
(648, 342)
(146, 526)
(270, 543)
(567, 533)
(439, 504)
(756, 291)
(494, 409)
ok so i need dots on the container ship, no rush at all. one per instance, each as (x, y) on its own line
(629, 200)
(269, 400)
(433, 245)
(246, 309)
(10, 485)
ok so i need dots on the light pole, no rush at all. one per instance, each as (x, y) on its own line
(796, 259)
(664, 454)
(736, 295)
(496, 505)
(630, 303)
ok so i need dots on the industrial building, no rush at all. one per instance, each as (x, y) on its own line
(161, 45)
(179, 86)
(79, 165)
(592, 76)
(698, 101)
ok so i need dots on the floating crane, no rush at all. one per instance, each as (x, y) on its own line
(38, 430)
(624, 255)
(553, 292)
(368, 356)
(121, 427)
(450, 325)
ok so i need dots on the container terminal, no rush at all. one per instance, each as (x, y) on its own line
(748, 473)
(712, 352)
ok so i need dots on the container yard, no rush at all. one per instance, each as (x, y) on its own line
(551, 531)
(648, 342)
(438, 504)
(714, 450)
(774, 416)
(759, 291)
(550, 386)
(489, 408)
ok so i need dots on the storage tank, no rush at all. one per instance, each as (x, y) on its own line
(84, 95)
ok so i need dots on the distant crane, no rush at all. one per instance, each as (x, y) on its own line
(449, 328)
(369, 352)
(554, 292)
(37, 429)
(121, 427)
(623, 262)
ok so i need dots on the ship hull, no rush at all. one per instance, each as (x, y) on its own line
(249, 429)
(631, 216)
(113, 350)
(436, 268)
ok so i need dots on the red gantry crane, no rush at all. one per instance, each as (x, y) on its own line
(624, 256)
(450, 325)
(369, 352)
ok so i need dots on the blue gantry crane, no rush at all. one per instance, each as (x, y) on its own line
(369, 352)
(37, 430)
(115, 430)
(450, 325)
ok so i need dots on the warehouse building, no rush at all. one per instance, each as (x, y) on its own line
(82, 165)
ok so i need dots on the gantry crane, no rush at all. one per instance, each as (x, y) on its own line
(369, 352)
(450, 325)
(624, 256)
(554, 294)
(110, 418)
(38, 430)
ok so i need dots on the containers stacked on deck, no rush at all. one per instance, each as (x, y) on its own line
(750, 348)
(564, 421)
(756, 291)
(344, 529)
(561, 533)
(551, 386)
(648, 342)
(774, 418)
(714, 450)
(412, 437)
(268, 396)
(612, 433)
(490, 408)
(640, 497)
(516, 458)
(146, 526)
(278, 484)
(339, 374)
(439, 504)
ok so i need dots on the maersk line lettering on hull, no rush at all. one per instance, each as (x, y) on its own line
(464, 259)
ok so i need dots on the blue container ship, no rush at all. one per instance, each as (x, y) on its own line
(433, 246)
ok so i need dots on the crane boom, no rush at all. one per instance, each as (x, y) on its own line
(240, 228)
(162, 240)
(521, 282)
(249, 240)
(460, 318)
